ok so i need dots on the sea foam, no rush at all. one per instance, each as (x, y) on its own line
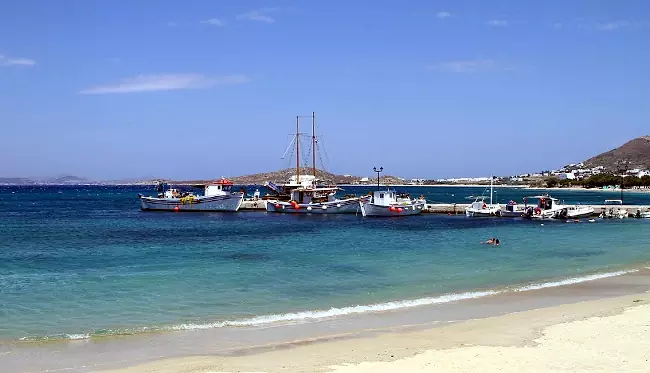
(388, 306)
(315, 315)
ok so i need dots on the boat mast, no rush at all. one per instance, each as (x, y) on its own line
(313, 142)
(491, 182)
(297, 152)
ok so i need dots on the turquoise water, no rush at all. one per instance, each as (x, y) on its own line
(84, 261)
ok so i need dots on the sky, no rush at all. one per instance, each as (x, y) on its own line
(426, 89)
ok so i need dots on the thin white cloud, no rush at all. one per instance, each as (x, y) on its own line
(557, 25)
(611, 26)
(497, 23)
(470, 66)
(172, 24)
(443, 15)
(165, 82)
(259, 15)
(10, 61)
(213, 22)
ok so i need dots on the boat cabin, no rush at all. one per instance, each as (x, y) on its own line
(219, 187)
(173, 193)
(384, 197)
(313, 195)
(545, 202)
(511, 206)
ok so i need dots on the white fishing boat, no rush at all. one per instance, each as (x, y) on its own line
(479, 208)
(389, 203)
(512, 210)
(217, 197)
(304, 194)
(547, 208)
(576, 212)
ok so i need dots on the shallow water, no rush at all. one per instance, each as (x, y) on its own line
(83, 261)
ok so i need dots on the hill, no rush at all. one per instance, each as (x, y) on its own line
(636, 151)
(282, 176)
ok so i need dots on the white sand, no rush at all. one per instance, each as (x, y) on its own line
(611, 335)
(601, 344)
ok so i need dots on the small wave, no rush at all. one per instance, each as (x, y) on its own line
(303, 316)
(334, 312)
(574, 280)
(70, 337)
(78, 336)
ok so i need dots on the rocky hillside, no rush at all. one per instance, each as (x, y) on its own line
(636, 151)
(282, 176)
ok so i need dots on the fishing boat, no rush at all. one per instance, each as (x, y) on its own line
(389, 203)
(575, 212)
(512, 210)
(549, 208)
(217, 197)
(304, 194)
(479, 208)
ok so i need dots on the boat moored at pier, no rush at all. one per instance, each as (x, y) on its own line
(512, 210)
(479, 208)
(303, 194)
(316, 200)
(388, 203)
(217, 197)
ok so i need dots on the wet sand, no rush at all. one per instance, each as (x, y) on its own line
(507, 321)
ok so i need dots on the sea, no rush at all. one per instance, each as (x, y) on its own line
(84, 262)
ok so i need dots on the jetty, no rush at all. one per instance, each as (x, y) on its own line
(454, 208)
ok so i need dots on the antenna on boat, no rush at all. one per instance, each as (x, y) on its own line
(313, 142)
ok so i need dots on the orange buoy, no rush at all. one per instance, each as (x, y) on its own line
(176, 208)
(399, 209)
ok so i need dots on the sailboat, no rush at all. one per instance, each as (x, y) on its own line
(479, 208)
(306, 197)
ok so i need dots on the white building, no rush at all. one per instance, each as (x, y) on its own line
(567, 176)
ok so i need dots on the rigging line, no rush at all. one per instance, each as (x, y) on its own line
(293, 140)
(323, 151)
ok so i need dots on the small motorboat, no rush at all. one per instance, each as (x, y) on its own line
(479, 208)
(513, 210)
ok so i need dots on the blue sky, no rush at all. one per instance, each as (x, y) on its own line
(194, 89)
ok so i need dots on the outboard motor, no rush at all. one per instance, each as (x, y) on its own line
(528, 213)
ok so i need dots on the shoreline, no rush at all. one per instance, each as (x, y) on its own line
(246, 340)
(317, 315)
(403, 348)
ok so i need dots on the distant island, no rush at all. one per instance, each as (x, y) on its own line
(627, 165)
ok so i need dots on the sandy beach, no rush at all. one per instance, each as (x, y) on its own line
(604, 335)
